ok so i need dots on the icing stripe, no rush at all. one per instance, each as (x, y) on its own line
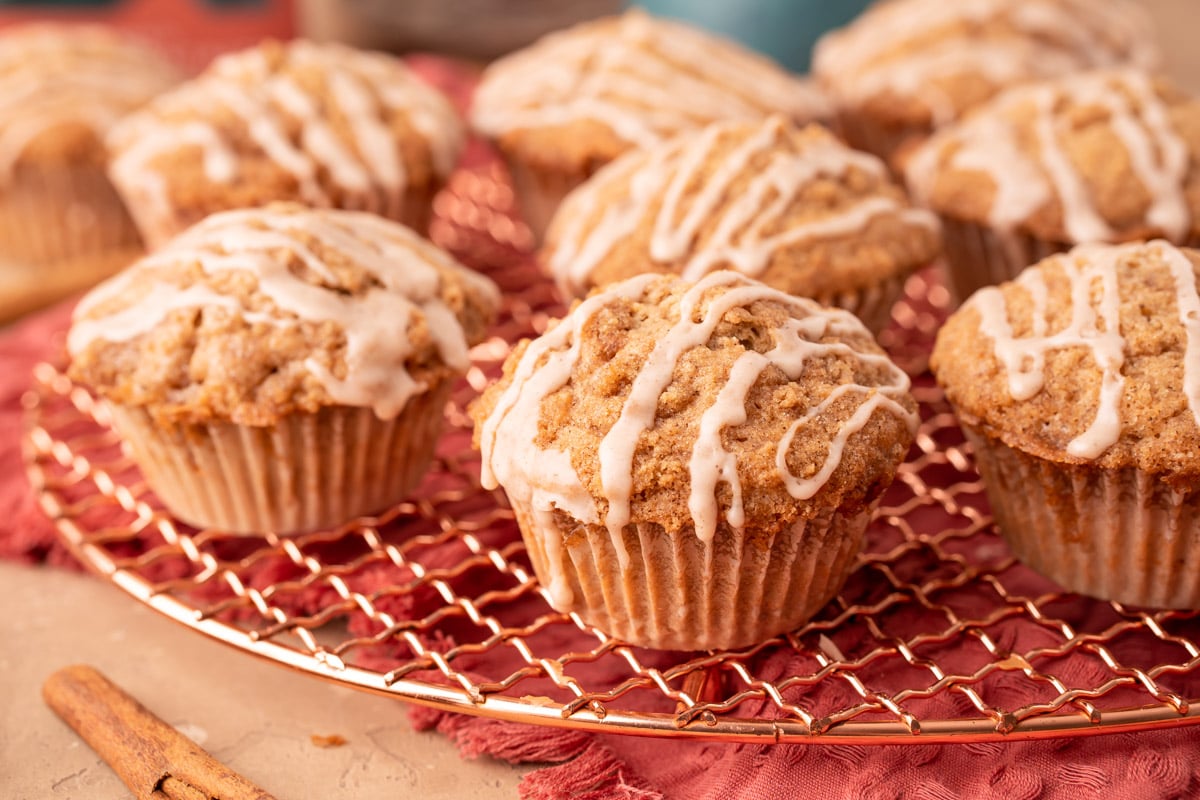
(293, 127)
(805, 488)
(545, 368)
(990, 141)
(1094, 324)
(642, 78)
(691, 196)
(409, 269)
(1001, 41)
(512, 457)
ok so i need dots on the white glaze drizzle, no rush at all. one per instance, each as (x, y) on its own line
(367, 90)
(53, 75)
(804, 488)
(544, 369)
(1036, 38)
(408, 268)
(1158, 153)
(1091, 272)
(1080, 218)
(508, 436)
(642, 78)
(618, 446)
(161, 299)
(1025, 181)
(689, 199)
(983, 142)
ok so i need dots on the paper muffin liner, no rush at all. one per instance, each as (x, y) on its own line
(417, 209)
(975, 256)
(158, 220)
(50, 215)
(675, 592)
(871, 304)
(889, 142)
(539, 193)
(306, 472)
(1123, 535)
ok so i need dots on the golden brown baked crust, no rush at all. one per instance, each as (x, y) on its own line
(62, 87)
(922, 63)
(1129, 307)
(791, 207)
(1109, 155)
(793, 358)
(321, 124)
(257, 314)
(577, 99)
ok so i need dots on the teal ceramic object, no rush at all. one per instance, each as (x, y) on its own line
(786, 30)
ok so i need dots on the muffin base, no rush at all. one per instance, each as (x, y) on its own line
(889, 142)
(61, 214)
(538, 194)
(1122, 535)
(306, 472)
(871, 304)
(975, 256)
(674, 592)
(160, 222)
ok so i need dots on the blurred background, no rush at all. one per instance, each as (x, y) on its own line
(192, 32)
(195, 30)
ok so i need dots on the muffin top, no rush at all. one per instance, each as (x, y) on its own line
(1091, 356)
(576, 99)
(63, 86)
(255, 314)
(1102, 156)
(691, 406)
(792, 207)
(924, 62)
(322, 124)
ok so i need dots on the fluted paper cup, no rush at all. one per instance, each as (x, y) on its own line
(675, 592)
(871, 304)
(888, 142)
(50, 215)
(538, 194)
(976, 256)
(1115, 534)
(159, 219)
(306, 472)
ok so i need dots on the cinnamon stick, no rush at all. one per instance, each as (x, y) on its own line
(154, 760)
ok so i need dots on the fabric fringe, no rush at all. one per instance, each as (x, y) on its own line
(583, 769)
(595, 774)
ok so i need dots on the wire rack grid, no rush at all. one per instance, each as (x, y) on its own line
(939, 635)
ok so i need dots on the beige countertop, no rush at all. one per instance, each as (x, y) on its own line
(256, 717)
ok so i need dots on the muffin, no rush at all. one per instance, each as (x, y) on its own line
(61, 88)
(791, 207)
(1077, 387)
(319, 124)
(692, 466)
(1103, 156)
(906, 67)
(281, 369)
(575, 100)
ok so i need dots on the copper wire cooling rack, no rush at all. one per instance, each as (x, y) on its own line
(940, 635)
